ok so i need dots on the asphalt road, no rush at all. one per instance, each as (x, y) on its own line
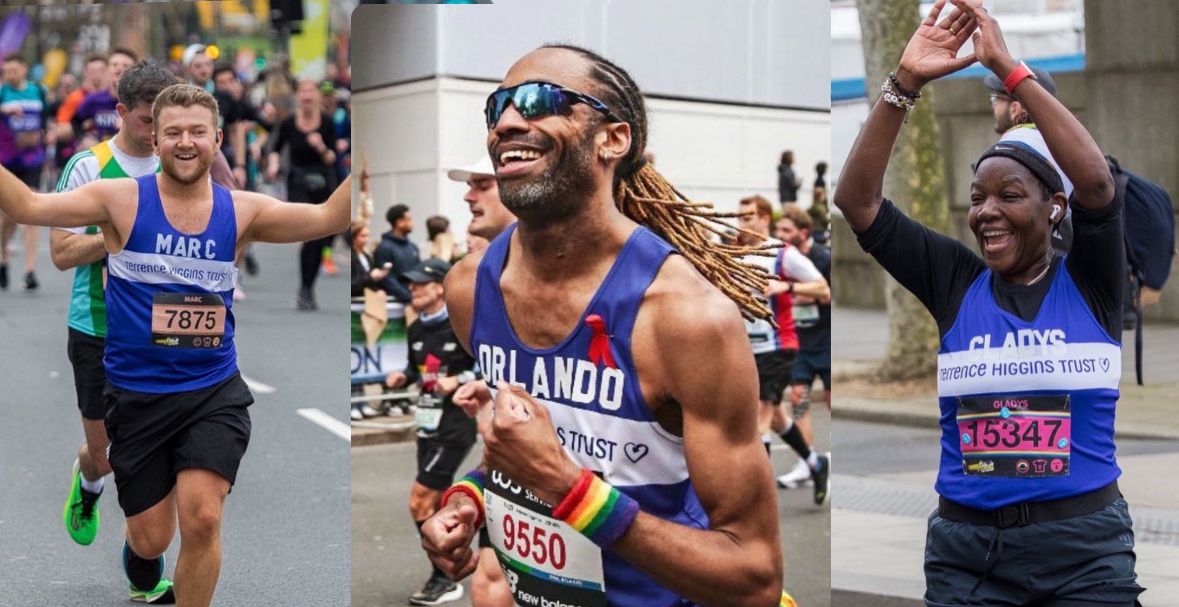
(388, 564)
(285, 533)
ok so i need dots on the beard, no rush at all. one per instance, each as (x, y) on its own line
(560, 191)
(168, 164)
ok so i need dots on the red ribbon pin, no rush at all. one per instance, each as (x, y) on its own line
(599, 349)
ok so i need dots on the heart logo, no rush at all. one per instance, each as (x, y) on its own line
(1105, 364)
(635, 452)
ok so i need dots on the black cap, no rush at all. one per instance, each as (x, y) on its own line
(430, 270)
(993, 83)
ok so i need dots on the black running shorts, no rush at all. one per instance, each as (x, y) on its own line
(438, 461)
(1083, 560)
(155, 436)
(773, 373)
(85, 352)
(812, 364)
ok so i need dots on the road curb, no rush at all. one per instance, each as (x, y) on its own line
(383, 430)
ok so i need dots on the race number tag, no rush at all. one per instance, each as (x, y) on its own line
(544, 560)
(806, 315)
(1015, 436)
(187, 320)
(429, 413)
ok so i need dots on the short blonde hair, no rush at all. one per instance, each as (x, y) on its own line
(183, 95)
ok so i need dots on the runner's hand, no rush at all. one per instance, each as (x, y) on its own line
(395, 379)
(519, 440)
(989, 45)
(446, 537)
(446, 385)
(315, 140)
(471, 397)
(932, 52)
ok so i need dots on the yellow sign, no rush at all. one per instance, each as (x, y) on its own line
(309, 48)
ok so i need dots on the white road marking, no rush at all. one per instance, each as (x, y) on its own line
(327, 422)
(257, 386)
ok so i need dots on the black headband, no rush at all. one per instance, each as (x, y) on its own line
(1031, 160)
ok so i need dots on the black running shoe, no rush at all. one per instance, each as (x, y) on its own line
(4, 276)
(436, 592)
(31, 283)
(821, 476)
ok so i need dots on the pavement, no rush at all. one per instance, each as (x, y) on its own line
(880, 504)
(285, 533)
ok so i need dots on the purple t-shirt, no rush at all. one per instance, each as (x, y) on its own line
(99, 106)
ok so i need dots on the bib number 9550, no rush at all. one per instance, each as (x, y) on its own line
(540, 544)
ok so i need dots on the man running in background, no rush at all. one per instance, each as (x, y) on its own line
(128, 154)
(438, 365)
(775, 348)
(812, 319)
(97, 115)
(22, 151)
(489, 218)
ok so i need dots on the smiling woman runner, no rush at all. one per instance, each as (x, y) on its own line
(1030, 512)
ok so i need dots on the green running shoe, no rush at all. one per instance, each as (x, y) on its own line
(81, 510)
(160, 595)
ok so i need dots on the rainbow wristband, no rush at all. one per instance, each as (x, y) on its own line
(597, 510)
(472, 485)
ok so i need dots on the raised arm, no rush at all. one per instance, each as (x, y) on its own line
(277, 221)
(1071, 145)
(85, 206)
(931, 53)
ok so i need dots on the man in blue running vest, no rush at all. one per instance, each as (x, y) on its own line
(177, 407)
(618, 473)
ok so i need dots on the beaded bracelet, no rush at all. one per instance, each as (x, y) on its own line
(597, 510)
(896, 84)
(472, 485)
(896, 99)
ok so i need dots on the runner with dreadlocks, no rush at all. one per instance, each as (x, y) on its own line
(617, 471)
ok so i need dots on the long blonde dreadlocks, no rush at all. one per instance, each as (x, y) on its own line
(646, 197)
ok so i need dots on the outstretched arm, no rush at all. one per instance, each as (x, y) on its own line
(84, 206)
(931, 53)
(277, 221)
(1071, 145)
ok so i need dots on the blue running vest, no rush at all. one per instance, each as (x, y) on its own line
(589, 385)
(160, 259)
(1008, 368)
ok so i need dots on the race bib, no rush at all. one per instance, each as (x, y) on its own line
(187, 320)
(806, 315)
(1015, 436)
(544, 560)
(429, 413)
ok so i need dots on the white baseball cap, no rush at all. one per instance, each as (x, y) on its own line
(190, 53)
(1031, 137)
(482, 167)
